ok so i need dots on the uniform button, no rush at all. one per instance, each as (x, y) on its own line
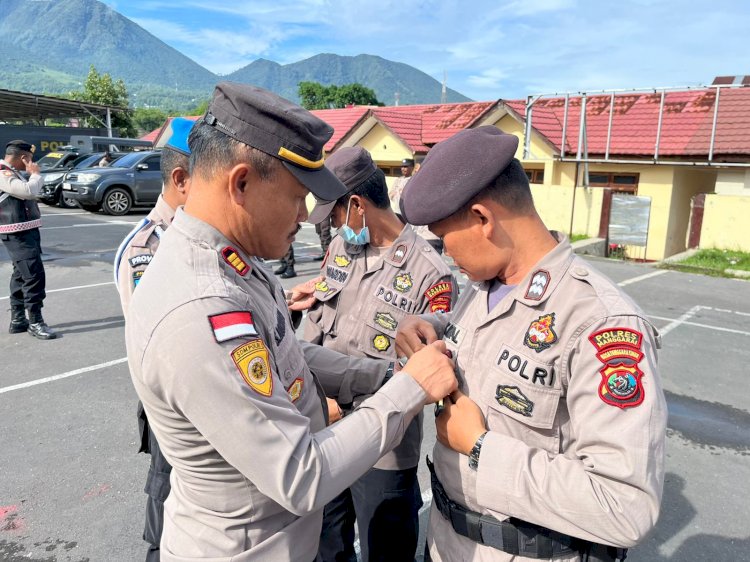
(427, 249)
(581, 271)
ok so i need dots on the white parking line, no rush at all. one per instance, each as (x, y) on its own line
(72, 288)
(64, 214)
(83, 225)
(63, 375)
(643, 277)
(676, 322)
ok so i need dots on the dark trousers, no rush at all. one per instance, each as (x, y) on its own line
(385, 504)
(157, 487)
(324, 233)
(27, 282)
(288, 259)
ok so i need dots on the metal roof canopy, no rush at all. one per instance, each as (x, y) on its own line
(34, 107)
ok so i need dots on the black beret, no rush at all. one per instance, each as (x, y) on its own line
(353, 166)
(278, 127)
(454, 171)
(21, 145)
(407, 162)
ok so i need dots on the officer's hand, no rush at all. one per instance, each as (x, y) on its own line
(413, 334)
(433, 370)
(460, 424)
(334, 411)
(302, 296)
(31, 167)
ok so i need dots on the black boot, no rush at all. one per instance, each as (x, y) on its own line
(18, 322)
(38, 327)
(281, 269)
(289, 273)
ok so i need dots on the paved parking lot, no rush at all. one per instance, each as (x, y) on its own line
(71, 485)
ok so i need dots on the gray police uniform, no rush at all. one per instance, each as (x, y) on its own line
(214, 359)
(564, 370)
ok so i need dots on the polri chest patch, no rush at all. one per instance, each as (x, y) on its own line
(524, 368)
(394, 298)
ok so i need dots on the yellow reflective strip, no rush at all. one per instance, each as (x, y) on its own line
(287, 154)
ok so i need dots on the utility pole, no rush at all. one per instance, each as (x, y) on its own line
(398, 97)
(444, 93)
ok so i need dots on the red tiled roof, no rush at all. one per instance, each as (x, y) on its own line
(686, 122)
(405, 124)
(151, 137)
(442, 121)
(342, 121)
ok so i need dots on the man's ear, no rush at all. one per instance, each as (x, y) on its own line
(239, 181)
(484, 217)
(180, 179)
(357, 204)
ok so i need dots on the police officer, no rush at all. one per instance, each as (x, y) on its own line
(395, 193)
(20, 221)
(377, 271)
(553, 448)
(214, 358)
(133, 256)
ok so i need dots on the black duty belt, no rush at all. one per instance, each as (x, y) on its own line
(514, 536)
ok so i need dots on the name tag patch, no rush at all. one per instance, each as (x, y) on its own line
(525, 368)
(335, 274)
(454, 334)
(394, 299)
(143, 259)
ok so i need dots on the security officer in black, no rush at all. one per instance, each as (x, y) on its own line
(20, 220)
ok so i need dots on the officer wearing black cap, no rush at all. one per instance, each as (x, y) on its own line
(20, 220)
(395, 193)
(553, 446)
(214, 358)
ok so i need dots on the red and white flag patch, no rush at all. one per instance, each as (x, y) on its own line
(231, 325)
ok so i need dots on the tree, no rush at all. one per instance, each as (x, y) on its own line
(199, 109)
(102, 89)
(314, 95)
(148, 119)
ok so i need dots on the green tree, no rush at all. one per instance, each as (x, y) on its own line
(102, 89)
(314, 95)
(199, 109)
(146, 119)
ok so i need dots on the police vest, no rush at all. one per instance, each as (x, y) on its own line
(17, 215)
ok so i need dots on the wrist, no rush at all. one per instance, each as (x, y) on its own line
(388, 373)
(476, 451)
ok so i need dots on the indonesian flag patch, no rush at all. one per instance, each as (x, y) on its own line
(231, 325)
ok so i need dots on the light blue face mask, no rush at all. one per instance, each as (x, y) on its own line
(361, 238)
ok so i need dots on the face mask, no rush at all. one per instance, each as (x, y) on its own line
(361, 238)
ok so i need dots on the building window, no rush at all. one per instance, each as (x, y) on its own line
(535, 176)
(627, 183)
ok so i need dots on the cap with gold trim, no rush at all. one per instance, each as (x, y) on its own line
(21, 145)
(278, 127)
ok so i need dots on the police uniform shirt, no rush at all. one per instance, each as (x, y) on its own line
(13, 184)
(213, 357)
(394, 194)
(359, 308)
(564, 370)
(138, 247)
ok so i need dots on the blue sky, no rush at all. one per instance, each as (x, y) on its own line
(489, 49)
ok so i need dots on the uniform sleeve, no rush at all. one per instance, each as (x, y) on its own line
(16, 187)
(440, 295)
(439, 321)
(133, 263)
(607, 485)
(313, 332)
(300, 470)
(344, 377)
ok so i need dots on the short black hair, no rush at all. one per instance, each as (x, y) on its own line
(15, 151)
(510, 189)
(373, 188)
(171, 159)
(212, 151)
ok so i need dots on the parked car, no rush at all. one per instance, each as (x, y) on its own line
(51, 192)
(59, 159)
(134, 179)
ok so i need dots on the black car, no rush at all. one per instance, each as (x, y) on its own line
(51, 192)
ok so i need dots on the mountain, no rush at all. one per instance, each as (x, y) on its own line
(47, 46)
(383, 76)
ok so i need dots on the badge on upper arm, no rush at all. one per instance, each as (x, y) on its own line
(620, 351)
(439, 296)
(251, 359)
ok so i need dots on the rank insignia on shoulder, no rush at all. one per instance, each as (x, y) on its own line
(538, 285)
(399, 253)
(403, 282)
(342, 261)
(619, 349)
(386, 320)
(251, 359)
(295, 389)
(514, 399)
(7, 173)
(143, 259)
(322, 286)
(137, 278)
(541, 334)
(231, 325)
(381, 342)
(232, 257)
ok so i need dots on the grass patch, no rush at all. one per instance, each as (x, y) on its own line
(719, 260)
(577, 237)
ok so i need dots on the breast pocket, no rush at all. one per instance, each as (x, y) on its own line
(378, 334)
(522, 400)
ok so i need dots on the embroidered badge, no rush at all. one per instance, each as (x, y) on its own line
(440, 304)
(336, 274)
(403, 282)
(143, 259)
(541, 334)
(394, 299)
(7, 173)
(399, 253)
(342, 261)
(538, 285)
(295, 389)
(232, 257)
(381, 342)
(231, 325)
(620, 351)
(512, 398)
(442, 288)
(137, 277)
(386, 320)
(251, 359)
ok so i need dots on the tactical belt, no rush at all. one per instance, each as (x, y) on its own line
(514, 536)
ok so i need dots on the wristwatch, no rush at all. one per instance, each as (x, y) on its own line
(388, 373)
(474, 454)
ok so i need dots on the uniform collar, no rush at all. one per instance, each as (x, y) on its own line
(162, 212)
